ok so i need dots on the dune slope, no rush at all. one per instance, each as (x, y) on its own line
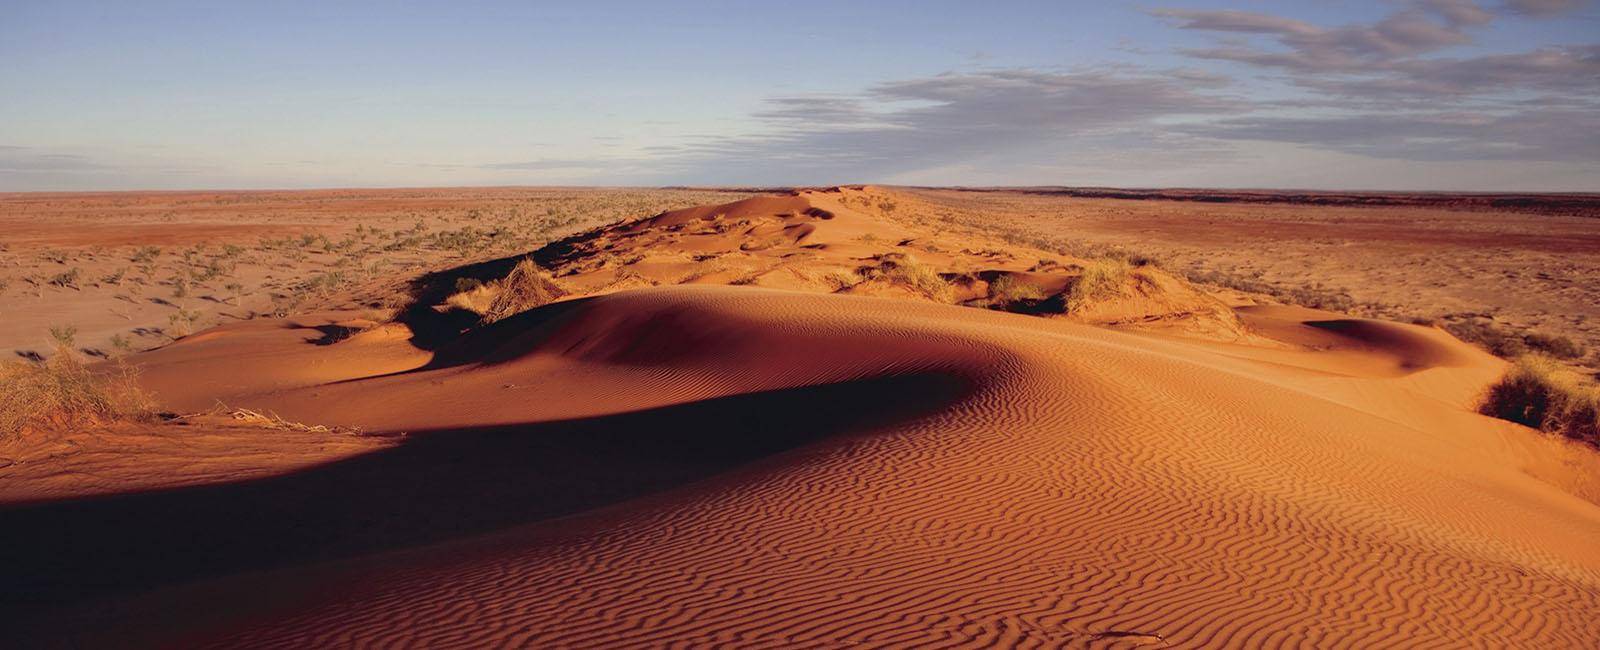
(1060, 484)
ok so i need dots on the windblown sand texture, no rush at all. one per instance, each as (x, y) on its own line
(740, 430)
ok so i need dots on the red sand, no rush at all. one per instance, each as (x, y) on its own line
(801, 467)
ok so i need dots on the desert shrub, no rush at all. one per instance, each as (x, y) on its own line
(67, 279)
(475, 299)
(1317, 296)
(526, 287)
(146, 254)
(841, 280)
(324, 284)
(286, 305)
(1505, 342)
(1314, 296)
(1539, 393)
(1102, 278)
(63, 392)
(906, 271)
(1553, 344)
(182, 322)
(65, 336)
(1007, 289)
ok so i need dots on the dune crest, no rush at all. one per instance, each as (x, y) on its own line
(865, 241)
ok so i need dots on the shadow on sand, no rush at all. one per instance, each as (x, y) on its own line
(435, 486)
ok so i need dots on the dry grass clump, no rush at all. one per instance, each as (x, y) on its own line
(1008, 290)
(839, 280)
(1102, 278)
(1539, 393)
(526, 287)
(906, 271)
(477, 299)
(63, 392)
(264, 420)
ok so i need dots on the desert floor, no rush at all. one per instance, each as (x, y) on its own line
(1465, 262)
(832, 417)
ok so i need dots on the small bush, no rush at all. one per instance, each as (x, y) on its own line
(1101, 279)
(841, 280)
(62, 392)
(906, 271)
(146, 254)
(1553, 345)
(67, 279)
(1007, 290)
(1538, 393)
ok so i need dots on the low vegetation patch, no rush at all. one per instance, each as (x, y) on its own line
(1539, 393)
(64, 392)
(1007, 289)
(1008, 293)
(526, 287)
(1101, 279)
(906, 271)
(1508, 343)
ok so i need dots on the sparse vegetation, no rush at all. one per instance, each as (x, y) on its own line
(146, 255)
(182, 322)
(1315, 296)
(1100, 279)
(1505, 342)
(841, 280)
(63, 392)
(67, 279)
(120, 345)
(1008, 290)
(904, 270)
(65, 336)
(1539, 393)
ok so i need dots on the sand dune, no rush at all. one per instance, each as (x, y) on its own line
(798, 466)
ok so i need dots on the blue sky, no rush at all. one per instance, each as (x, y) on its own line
(1397, 94)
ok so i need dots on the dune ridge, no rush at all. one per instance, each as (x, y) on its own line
(936, 476)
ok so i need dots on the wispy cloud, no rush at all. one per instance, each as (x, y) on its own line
(1543, 8)
(17, 159)
(912, 124)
